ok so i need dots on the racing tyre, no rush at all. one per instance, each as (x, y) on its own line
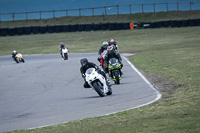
(66, 56)
(117, 76)
(98, 88)
(22, 60)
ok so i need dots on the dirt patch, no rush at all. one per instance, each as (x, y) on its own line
(165, 86)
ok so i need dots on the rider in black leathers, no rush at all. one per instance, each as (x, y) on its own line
(113, 42)
(112, 53)
(14, 53)
(85, 65)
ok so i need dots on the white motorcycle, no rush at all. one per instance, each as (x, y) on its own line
(64, 52)
(19, 58)
(97, 82)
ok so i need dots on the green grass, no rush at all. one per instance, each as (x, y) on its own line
(173, 54)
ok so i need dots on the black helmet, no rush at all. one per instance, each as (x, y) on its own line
(84, 61)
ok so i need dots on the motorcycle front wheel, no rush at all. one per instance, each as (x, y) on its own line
(117, 76)
(98, 88)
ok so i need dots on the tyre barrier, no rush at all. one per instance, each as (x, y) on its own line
(36, 29)
(27, 30)
(20, 31)
(50, 29)
(43, 29)
(12, 31)
(95, 27)
(81, 27)
(58, 28)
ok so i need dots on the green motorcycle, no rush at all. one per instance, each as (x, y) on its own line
(114, 70)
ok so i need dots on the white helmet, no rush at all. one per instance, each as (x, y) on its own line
(14, 51)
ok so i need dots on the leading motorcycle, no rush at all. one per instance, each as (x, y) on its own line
(97, 82)
(19, 58)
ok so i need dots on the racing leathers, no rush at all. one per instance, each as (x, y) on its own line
(83, 69)
(110, 55)
(13, 56)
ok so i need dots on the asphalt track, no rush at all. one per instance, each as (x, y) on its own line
(47, 90)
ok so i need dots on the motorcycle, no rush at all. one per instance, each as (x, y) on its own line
(114, 70)
(103, 54)
(97, 82)
(64, 52)
(19, 58)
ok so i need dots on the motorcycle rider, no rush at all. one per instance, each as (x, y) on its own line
(112, 53)
(113, 42)
(14, 53)
(85, 65)
(62, 46)
(102, 48)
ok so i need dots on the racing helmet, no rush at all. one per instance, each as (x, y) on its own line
(105, 44)
(112, 41)
(84, 61)
(14, 51)
(110, 49)
(61, 43)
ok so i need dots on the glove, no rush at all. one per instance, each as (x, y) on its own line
(83, 76)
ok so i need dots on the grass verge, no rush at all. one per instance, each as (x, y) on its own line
(165, 54)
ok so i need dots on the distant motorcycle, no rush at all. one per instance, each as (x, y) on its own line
(19, 58)
(114, 70)
(64, 53)
(97, 82)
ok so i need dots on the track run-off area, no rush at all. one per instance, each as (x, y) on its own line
(47, 90)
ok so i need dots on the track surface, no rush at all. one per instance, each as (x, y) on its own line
(46, 90)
